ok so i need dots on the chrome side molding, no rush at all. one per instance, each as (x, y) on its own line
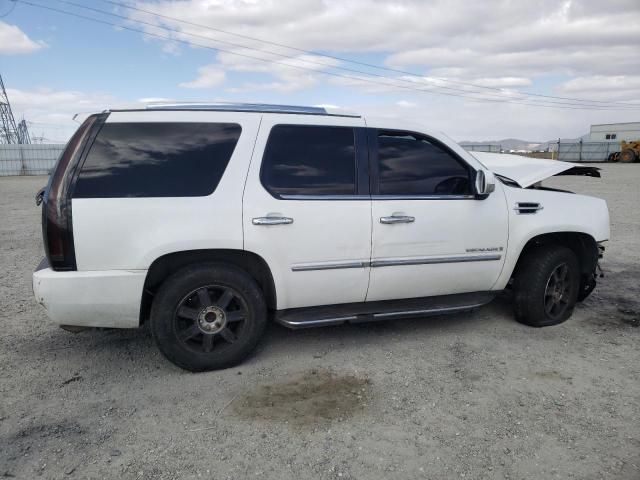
(306, 267)
(394, 262)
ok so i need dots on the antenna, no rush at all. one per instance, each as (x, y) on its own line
(9, 131)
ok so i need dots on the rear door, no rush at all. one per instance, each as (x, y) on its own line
(431, 235)
(306, 208)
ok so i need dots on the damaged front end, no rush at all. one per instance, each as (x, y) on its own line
(526, 172)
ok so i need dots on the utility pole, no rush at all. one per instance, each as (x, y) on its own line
(9, 131)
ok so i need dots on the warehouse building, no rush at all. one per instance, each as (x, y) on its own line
(615, 132)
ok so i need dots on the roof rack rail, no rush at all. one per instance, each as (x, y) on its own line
(250, 107)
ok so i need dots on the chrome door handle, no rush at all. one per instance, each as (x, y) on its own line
(272, 221)
(397, 219)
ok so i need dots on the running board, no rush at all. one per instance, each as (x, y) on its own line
(382, 310)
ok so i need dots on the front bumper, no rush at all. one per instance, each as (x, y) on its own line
(109, 298)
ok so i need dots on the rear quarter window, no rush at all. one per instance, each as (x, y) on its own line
(157, 160)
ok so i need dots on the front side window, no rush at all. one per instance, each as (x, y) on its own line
(157, 160)
(411, 164)
(309, 160)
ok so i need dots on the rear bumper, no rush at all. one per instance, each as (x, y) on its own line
(109, 298)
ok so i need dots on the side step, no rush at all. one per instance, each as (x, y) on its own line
(381, 310)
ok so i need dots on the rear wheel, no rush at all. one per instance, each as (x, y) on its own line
(546, 286)
(208, 317)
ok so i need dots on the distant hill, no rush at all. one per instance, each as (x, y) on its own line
(517, 144)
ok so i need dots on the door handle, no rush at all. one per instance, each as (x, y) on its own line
(397, 219)
(272, 221)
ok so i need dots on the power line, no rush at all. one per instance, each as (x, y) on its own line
(299, 67)
(277, 54)
(342, 59)
(433, 88)
(11, 8)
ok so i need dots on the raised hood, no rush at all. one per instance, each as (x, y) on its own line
(526, 171)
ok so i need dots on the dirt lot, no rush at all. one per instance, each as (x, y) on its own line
(468, 396)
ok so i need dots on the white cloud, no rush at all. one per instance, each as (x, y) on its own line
(155, 100)
(209, 76)
(449, 32)
(405, 104)
(286, 74)
(49, 112)
(580, 48)
(14, 41)
(603, 87)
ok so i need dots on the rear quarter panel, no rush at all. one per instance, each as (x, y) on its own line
(130, 233)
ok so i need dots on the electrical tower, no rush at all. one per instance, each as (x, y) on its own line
(9, 131)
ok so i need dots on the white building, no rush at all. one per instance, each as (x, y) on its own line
(614, 132)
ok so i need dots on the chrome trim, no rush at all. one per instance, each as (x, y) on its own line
(307, 267)
(247, 107)
(423, 197)
(397, 219)
(316, 323)
(324, 197)
(434, 260)
(374, 197)
(403, 313)
(272, 221)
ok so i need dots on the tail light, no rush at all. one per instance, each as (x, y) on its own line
(57, 229)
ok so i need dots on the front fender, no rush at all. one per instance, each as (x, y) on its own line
(560, 213)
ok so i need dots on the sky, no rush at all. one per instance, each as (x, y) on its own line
(464, 68)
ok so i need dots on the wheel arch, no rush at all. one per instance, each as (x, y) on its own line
(165, 265)
(583, 245)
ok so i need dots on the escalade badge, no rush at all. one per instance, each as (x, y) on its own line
(487, 249)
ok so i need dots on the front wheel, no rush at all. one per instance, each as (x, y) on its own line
(208, 317)
(546, 286)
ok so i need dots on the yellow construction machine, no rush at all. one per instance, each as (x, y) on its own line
(629, 152)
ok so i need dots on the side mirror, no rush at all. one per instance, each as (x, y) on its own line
(485, 184)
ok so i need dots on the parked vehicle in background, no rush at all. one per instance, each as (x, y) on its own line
(207, 220)
(629, 152)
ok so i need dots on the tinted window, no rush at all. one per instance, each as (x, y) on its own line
(310, 160)
(410, 164)
(157, 160)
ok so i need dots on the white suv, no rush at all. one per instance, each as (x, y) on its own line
(206, 220)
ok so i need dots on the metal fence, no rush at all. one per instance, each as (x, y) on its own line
(479, 147)
(586, 151)
(35, 159)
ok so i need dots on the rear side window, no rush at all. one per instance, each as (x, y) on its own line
(309, 160)
(411, 164)
(157, 160)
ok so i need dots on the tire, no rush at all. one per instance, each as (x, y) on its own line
(627, 156)
(540, 299)
(208, 317)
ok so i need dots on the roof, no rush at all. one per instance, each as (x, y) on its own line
(614, 124)
(246, 107)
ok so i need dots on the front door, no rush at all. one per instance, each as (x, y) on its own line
(431, 235)
(307, 210)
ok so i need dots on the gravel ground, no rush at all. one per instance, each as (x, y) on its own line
(466, 396)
